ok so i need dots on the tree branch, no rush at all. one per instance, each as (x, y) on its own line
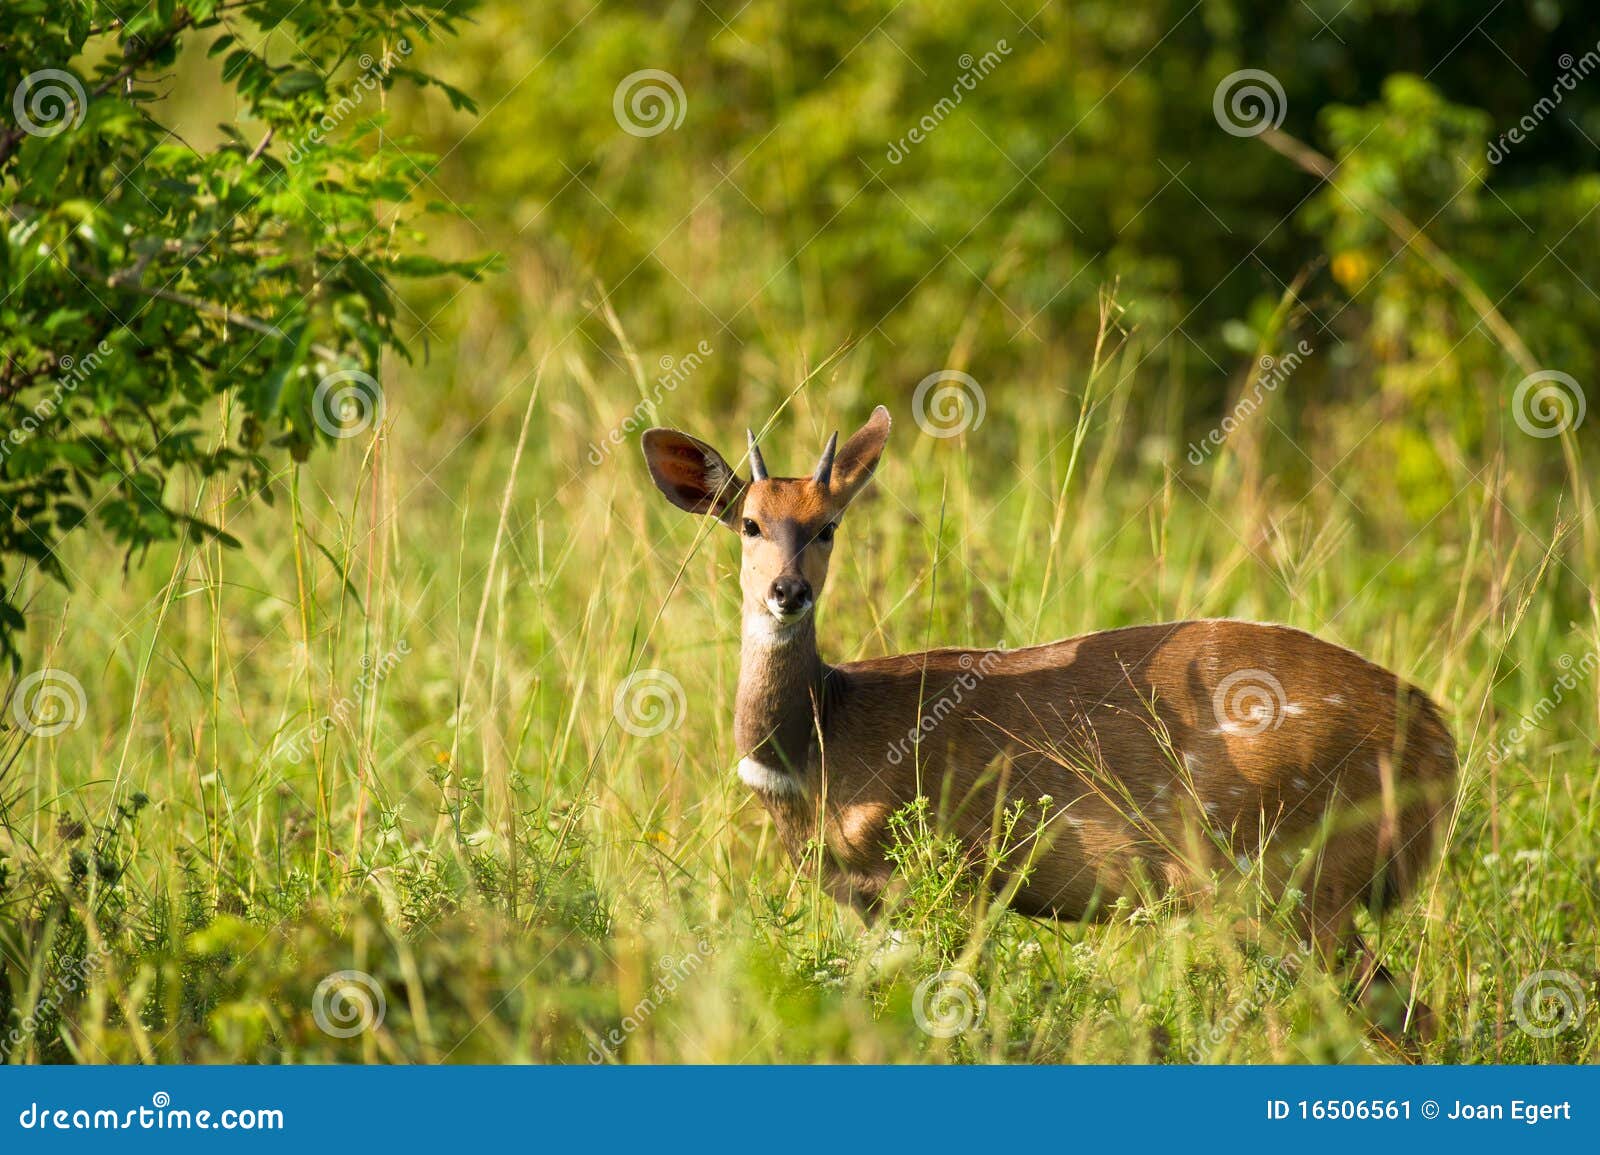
(199, 305)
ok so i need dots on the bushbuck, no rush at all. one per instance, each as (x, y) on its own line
(1166, 751)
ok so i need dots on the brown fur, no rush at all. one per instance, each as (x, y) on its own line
(1120, 730)
(1153, 771)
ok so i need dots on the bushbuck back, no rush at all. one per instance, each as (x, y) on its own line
(1166, 750)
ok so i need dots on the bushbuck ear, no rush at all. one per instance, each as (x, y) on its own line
(691, 473)
(858, 457)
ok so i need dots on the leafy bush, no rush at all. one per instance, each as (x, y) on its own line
(167, 309)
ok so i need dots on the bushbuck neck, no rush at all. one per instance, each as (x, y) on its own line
(779, 705)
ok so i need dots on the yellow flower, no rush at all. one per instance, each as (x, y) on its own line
(1351, 269)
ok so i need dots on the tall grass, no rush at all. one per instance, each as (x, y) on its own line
(384, 736)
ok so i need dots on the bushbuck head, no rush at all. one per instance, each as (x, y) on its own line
(786, 524)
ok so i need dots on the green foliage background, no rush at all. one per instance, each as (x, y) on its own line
(785, 213)
(1089, 155)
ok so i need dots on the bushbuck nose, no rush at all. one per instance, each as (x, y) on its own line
(790, 594)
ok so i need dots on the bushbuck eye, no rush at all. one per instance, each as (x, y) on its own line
(825, 534)
(751, 529)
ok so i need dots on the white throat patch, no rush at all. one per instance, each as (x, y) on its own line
(765, 630)
(765, 780)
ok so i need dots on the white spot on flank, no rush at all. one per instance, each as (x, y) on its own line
(1259, 720)
(1191, 763)
(1243, 864)
(765, 780)
(1333, 700)
(1299, 783)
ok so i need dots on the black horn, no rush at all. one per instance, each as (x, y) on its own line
(758, 468)
(824, 473)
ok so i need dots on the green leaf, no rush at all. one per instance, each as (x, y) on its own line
(296, 82)
(234, 65)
